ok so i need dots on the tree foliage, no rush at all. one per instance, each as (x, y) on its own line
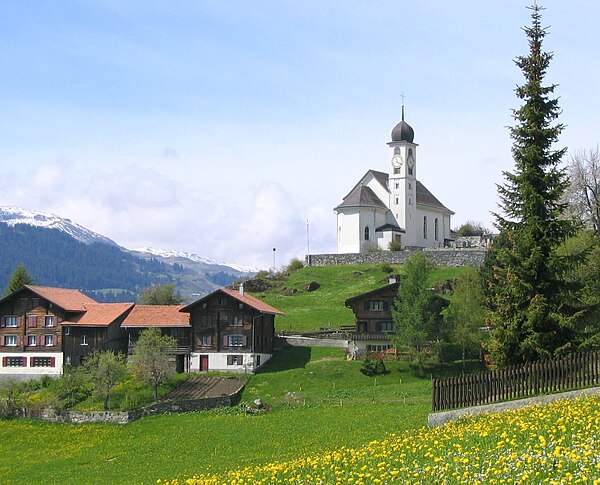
(18, 280)
(472, 228)
(466, 313)
(584, 189)
(533, 315)
(105, 370)
(415, 307)
(150, 362)
(160, 295)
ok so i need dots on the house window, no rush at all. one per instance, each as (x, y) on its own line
(378, 347)
(236, 320)
(14, 361)
(49, 321)
(241, 306)
(83, 340)
(48, 340)
(42, 362)
(204, 305)
(385, 327)
(424, 227)
(11, 321)
(31, 340)
(23, 303)
(235, 360)
(375, 306)
(10, 340)
(205, 340)
(367, 233)
(223, 301)
(437, 229)
(130, 340)
(235, 340)
(32, 321)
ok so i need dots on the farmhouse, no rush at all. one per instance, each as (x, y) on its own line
(392, 207)
(43, 328)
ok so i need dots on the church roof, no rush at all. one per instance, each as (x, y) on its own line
(381, 177)
(389, 227)
(424, 197)
(361, 196)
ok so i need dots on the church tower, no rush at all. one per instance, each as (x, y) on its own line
(403, 180)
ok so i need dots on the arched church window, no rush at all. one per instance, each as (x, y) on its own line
(425, 227)
(410, 171)
(437, 229)
(367, 233)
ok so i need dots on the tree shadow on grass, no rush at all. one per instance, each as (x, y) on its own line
(288, 358)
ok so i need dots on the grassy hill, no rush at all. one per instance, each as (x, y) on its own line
(324, 307)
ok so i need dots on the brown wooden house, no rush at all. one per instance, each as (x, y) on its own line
(31, 323)
(170, 321)
(99, 328)
(231, 331)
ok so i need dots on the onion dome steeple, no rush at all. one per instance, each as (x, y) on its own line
(403, 131)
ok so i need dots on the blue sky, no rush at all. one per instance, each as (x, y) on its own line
(220, 127)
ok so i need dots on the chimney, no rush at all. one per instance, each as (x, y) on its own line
(242, 289)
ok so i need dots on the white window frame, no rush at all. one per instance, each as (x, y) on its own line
(49, 318)
(30, 339)
(8, 339)
(13, 319)
(49, 338)
(376, 305)
(233, 339)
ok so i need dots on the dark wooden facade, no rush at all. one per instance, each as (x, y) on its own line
(30, 323)
(373, 310)
(223, 323)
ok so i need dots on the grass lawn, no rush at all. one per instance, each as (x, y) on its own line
(324, 307)
(318, 401)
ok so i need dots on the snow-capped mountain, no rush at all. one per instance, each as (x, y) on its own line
(166, 254)
(15, 215)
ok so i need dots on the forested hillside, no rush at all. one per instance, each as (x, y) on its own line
(107, 273)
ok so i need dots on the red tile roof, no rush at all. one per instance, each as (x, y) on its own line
(249, 300)
(100, 314)
(65, 298)
(156, 316)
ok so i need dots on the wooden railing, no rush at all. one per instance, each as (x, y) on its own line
(572, 371)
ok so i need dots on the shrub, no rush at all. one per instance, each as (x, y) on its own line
(373, 367)
(395, 246)
(295, 264)
(386, 268)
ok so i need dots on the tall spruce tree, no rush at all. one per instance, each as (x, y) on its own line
(532, 315)
(18, 280)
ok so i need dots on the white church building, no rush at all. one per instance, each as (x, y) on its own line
(392, 207)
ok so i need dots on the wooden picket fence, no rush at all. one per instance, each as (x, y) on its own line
(574, 371)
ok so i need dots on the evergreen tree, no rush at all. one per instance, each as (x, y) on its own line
(532, 316)
(414, 310)
(18, 280)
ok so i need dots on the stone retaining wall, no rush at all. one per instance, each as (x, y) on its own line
(441, 257)
(300, 341)
(124, 417)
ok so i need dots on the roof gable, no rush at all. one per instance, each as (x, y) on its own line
(362, 196)
(65, 298)
(249, 300)
(100, 314)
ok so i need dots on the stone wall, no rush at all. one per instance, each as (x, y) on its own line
(302, 341)
(124, 417)
(441, 257)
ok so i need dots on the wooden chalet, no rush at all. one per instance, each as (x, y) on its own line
(99, 328)
(31, 328)
(170, 321)
(373, 319)
(231, 331)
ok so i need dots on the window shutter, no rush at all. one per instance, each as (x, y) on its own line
(22, 339)
(209, 340)
(3, 322)
(240, 359)
(230, 360)
(19, 321)
(24, 361)
(52, 360)
(244, 340)
(4, 361)
(224, 340)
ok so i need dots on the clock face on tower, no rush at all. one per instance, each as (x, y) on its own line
(396, 161)
(411, 160)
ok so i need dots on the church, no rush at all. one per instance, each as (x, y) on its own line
(392, 207)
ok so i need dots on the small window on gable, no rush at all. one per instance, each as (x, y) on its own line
(241, 306)
(204, 305)
(223, 301)
(49, 321)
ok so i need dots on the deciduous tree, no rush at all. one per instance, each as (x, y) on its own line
(105, 369)
(160, 295)
(584, 188)
(532, 316)
(151, 363)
